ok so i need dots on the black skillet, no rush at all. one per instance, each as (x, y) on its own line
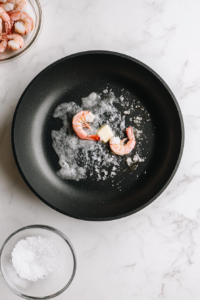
(74, 77)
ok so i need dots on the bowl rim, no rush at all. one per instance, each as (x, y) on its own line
(56, 231)
(32, 42)
(128, 57)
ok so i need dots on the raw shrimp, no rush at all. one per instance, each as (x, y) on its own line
(5, 17)
(23, 23)
(1, 26)
(8, 27)
(15, 41)
(117, 145)
(7, 6)
(81, 120)
(17, 4)
(3, 42)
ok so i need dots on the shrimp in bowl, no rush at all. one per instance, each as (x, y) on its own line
(6, 18)
(3, 15)
(17, 4)
(6, 6)
(15, 41)
(3, 42)
(21, 21)
(82, 120)
(119, 147)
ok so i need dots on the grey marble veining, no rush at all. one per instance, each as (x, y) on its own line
(154, 254)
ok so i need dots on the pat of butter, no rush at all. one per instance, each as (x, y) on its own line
(105, 133)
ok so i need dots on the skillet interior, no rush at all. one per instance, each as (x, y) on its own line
(74, 77)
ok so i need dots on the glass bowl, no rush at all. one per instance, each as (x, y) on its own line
(49, 287)
(33, 8)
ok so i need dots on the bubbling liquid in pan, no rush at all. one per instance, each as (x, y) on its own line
(80, 159)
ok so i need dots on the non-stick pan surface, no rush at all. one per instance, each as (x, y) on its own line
(70, 79)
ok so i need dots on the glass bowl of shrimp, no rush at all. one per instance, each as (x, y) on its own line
(20, 26)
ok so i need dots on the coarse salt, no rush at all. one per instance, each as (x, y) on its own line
(35, 258)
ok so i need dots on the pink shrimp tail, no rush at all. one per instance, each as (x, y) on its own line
(93, 138)
(10, 12)
(129, 132)
(9, 27)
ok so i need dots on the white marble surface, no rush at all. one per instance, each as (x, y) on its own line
(154, 254)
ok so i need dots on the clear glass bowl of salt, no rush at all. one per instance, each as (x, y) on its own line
(37, 262)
